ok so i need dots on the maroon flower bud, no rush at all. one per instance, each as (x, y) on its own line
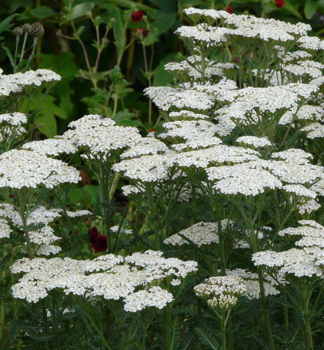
(137, 16)
(141, 33)
(98, 241)
(280, 3)
(229, 9)
(100, 245)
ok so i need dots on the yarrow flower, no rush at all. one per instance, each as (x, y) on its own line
(20, 168)
(221, 292)
(110, 276)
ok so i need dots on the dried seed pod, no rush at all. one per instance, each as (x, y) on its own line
(26, 28)
(37, 29)
(18, 31)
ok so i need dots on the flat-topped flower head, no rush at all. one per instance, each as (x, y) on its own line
(188, 130)
(51, 147)
(312, 43)
(20, 168)
(38, 216)
(151, 168)
(252, 284)
(100, 135)
(146, 146)
(296, 262)
(202, 233)
(217, 155)
(221, 292)
(167, 98)
(109, 276)
(255, 142)
(5, 229)
(248, 179)
(301, 114)
(190, 68)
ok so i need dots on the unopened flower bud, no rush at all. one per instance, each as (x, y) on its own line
(18, 31)
(37, 29)
(26, 28)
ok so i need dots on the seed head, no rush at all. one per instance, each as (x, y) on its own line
(37, 30)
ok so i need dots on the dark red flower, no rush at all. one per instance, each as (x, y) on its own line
(98, 241)
(142, 32)
(137, 16)
(100, 245)
(229, 9)
(280, 3)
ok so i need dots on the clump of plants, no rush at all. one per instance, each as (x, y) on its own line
(218, 243)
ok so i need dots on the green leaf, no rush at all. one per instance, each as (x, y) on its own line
(8, 54)
(82, 9)
(47, 125)
(42, 12)
(6, 23)
(310, 8)
(164, 21)
(289, 7)
(161, 77)
(130, 4)
(207, 338)
(114, 12)
(61, 64)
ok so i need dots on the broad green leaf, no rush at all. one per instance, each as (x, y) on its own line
(164, 21)
(6, 23)
(161, 77)
(47, 125)
(289, 7)
(82, 9)
(61, 64)
(130, 4)
(189, 3)
(166, 5)
(42, 12)
(310, 8)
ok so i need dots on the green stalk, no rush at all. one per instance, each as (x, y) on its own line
(265, 312)
(223, 328)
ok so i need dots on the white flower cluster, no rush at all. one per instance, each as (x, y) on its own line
(146, 146)
(38, 216)
(250, 26)
(298, 262)
(191, 67)
(202, 233)
(153, 297)
(314, 130)
(21, 168)
(15, 83)
(51, 147)
(311, 43)
(248, 179)
(216, 155)
(167, 98)
(221, 292)
(252, 283)
(110, 276)
(43, 239)
(101, 135)
(11, 125)
(147, 168)
(5, 229)
(251, 103)
(304, 113)
(256, 142)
